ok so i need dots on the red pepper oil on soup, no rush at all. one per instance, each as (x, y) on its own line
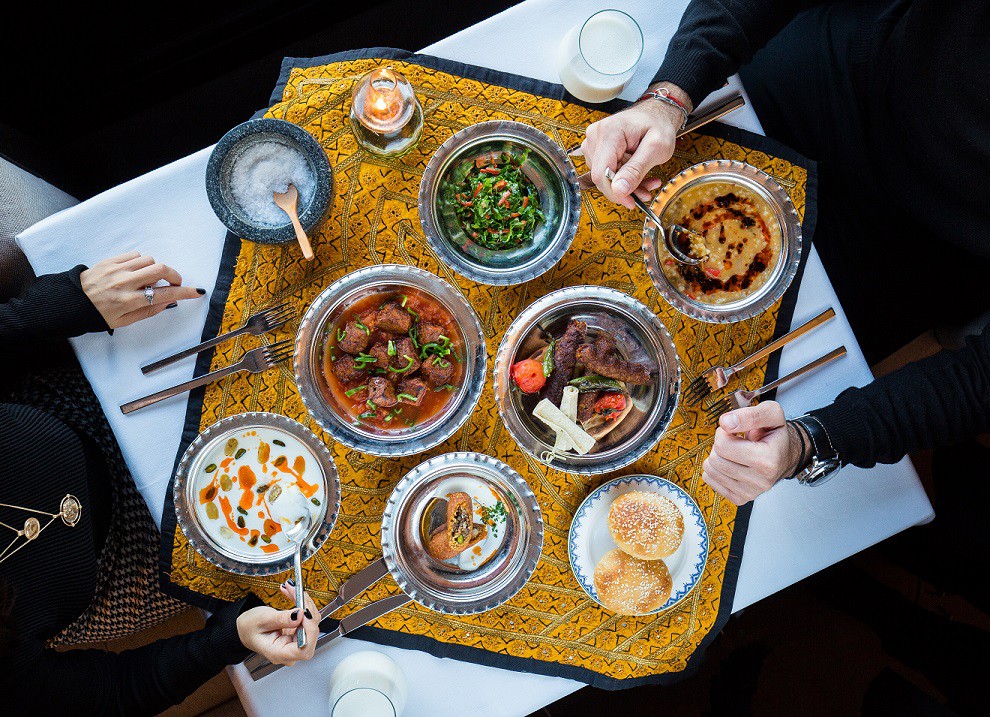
(393, 360)
(742, 237)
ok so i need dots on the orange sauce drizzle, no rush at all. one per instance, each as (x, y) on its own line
(225, 504)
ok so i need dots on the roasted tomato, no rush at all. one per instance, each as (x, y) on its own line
(610, 405)
(528, 375)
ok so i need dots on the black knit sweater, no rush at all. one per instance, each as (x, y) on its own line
(52, 579)
(921, 69)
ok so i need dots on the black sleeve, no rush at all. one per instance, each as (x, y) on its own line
(716, 37)
(934, 402)
(143, 681)
(54, 306)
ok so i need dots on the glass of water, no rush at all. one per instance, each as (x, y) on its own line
(598, 57)
(367, 684)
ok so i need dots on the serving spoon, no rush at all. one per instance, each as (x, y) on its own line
(297, 533)
(286, 201)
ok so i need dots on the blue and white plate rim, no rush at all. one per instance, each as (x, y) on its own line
(654, 482)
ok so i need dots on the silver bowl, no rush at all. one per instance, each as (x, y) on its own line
(764, 186)
(192, 465)
(641, 336)
(551, 172)
(312, 383)
(438, 585)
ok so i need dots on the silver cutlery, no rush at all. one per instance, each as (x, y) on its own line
(331, 629)
(261, 322)
(296, 535)
(718, 377)
(717, 112)
(675, 251)
(743, 398)
(351, 588)
(255, 361)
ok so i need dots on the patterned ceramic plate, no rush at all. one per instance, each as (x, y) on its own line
(589, 538)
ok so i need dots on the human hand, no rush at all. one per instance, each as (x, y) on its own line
(754, 448)
(116, 288)
(638, 138)
(272, 633)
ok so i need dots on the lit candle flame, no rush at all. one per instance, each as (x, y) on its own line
(383, 93)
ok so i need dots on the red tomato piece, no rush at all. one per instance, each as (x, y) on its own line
(528, 375)
(610, 405)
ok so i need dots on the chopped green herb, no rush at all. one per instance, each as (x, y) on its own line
(341, 334)
(391, 347)
(368, 414)
(371, 405)
(404, 300)
(363, 359)
(354, 390)
(494, 515)
(413, 313)
(445, 387)
(365, 329)
(406, 396)
(408, 366)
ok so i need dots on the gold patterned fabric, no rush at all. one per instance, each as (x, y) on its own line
(551, 623)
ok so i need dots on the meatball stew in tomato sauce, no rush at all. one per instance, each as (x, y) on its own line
(393, 360)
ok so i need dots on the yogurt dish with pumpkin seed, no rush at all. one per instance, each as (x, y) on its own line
(254, 485)
(244, 481)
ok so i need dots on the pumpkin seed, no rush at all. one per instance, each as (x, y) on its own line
(211, 511)
(226, 532)
(226, 483)
(210, 468)
(230, 447)
(240, 452)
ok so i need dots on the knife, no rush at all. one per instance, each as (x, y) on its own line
(355, 585)
(720, 110)
(331, 629)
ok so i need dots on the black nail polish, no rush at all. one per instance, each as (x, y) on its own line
(309, 615)
(294, 615)
(290, 582)
(201, 292)
(172, 305)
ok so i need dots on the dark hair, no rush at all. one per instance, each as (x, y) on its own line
(8, 628)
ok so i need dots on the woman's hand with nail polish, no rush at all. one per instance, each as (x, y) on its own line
(272, 633)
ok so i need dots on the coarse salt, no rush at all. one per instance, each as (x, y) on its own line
(263, 169)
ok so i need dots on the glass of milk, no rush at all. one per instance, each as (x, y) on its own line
(367, 684)
(598, 57)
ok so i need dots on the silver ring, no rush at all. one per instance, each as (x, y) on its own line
(149, 294)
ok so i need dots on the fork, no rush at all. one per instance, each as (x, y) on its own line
(743, 398)
(255, 361)
(261, 322)
(718, 376)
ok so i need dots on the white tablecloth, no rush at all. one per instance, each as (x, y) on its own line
(793, 532)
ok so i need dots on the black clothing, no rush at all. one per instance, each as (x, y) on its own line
(53, 578)
(934, 402)
(891, 99)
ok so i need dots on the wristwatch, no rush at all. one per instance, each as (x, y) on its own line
(825, 461)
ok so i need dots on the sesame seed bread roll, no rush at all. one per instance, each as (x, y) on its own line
(646, 525)
(630, 586)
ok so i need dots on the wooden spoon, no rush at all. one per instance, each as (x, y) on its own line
(286, 201)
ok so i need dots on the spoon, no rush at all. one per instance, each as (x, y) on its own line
(297, 533)
(286, 201)
(675, 251)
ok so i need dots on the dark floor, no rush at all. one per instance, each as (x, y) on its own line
(897, 630)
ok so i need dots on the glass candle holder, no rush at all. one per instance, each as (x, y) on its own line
(386, 117)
